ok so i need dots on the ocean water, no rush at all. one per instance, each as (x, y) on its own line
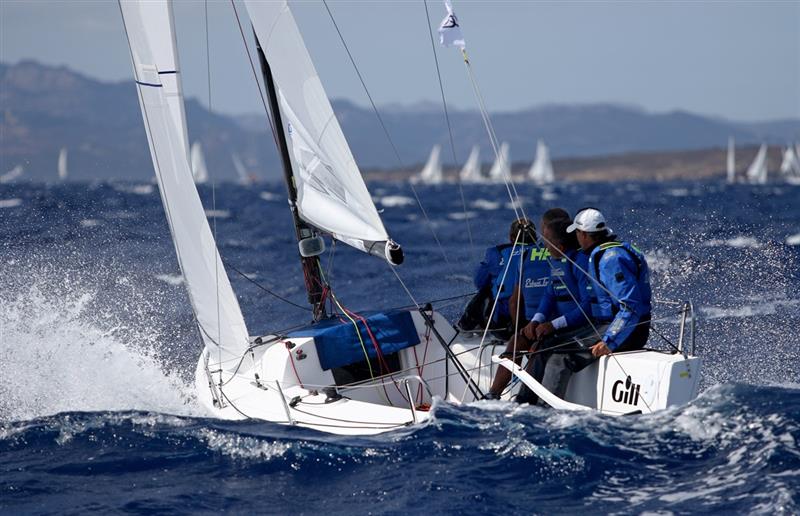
(97, 352)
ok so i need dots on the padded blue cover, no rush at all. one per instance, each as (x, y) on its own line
(338, 345)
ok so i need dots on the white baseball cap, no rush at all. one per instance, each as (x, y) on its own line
(589, 220)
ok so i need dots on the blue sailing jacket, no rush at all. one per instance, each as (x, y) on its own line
(620, 268)
(489, 269)
(535, 278)
(567, 301)
(503, 287)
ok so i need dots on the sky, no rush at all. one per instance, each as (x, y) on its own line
(737, 60)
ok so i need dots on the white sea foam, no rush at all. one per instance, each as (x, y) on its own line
(171, 279)
(10, 203)
(484, 204)
(61, 354)
(739, 242)
(218, 214)
(240, 446)
(462, 215)
(766, 307)
(394, 201)
(793, 239)
(90, 223)
(271, 197)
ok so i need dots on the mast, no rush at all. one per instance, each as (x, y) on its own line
(311, 266)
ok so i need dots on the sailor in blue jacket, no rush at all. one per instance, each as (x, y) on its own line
(490, 281)
(620, 283)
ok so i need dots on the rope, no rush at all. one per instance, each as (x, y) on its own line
(265, 289)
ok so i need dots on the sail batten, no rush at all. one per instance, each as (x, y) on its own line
(215, 307)
(331, 194)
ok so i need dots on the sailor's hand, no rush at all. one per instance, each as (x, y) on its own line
(544, 330)
(600, 349)
(530, 330)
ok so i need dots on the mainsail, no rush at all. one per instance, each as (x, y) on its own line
(432, 171)
(331, 194)
(541, 171)
(471, 172)
(62, 164)
(149, 30)
(757, 172)
(199, 169)
(731, 160)
(501, 169)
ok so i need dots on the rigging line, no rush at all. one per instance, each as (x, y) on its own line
(493, 139)
(449, 126)
(265, 289)
(218, 257)
(385, 129)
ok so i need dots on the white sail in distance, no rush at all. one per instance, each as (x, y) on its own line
(541, 171)
(199, 169)
(331, 194)
(62, 164)
(731, 160)
(215, 306)
(431, 173)
(241, 171)
(471, 171)
(757, 172)
(790, 166)
(501, 169)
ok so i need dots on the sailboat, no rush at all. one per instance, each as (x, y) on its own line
(62, 164)
(731, 162)
(790, 166)
(343, 372)
(198, 160)
(757, 171)
(471, 171)
(501, 168)
(241, 171)
(541, 171)
(431, 173)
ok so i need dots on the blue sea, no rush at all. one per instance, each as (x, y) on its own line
(98, 349)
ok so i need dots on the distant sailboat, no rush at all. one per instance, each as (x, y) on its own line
(241, 172)
(199, 169)
(62, 164)
(12, 174)
(471, 173)
(757, 172)
(790, 166)
(541, 171)
(731, 160)
(432, 172)
(501, 169)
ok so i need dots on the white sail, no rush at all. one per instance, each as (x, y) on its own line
(471, 172)
(241, 171)
(731, 160)
(331, 194)
(790, 166)
(541, 171)
(757, 172)
(199, 169)
(215, 306)
(501, 169)
(432, 171)
(12, 174)
(62, 164)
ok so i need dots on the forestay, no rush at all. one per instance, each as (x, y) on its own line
(331, 194)
(215, 306)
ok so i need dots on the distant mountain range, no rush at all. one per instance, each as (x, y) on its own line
(46, 108)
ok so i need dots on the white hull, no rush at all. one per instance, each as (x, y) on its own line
(292, 388)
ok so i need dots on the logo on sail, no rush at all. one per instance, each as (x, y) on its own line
(626, 392)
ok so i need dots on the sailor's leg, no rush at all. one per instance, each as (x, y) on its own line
(536, 368)
(515, 346)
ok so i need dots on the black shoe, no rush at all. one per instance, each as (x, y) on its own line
(491, 396)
